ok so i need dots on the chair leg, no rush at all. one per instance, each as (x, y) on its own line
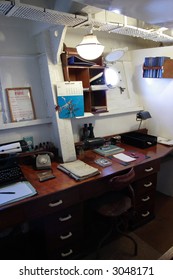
(131, 238)
(104, 238)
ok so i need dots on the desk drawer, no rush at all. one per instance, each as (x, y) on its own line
(145, 199)
(53, 203)
(60, 221)
(145, 185)
(143, 215)
(66, 244)
(147, 169)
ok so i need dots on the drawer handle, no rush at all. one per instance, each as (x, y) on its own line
(149, 169)
(55, 204)
(63, 237)
(145, 214)
(148, 185)
(64, 219)
(67, 254)
(146, 198)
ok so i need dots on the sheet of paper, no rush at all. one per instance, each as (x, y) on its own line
(10, 148)
(165, 141)
(123, 157)
(16, 191)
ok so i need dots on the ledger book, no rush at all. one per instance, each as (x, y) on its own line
(78, 169)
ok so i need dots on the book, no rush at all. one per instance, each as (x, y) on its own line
(108, 150)
(75, 60)
(78, 169)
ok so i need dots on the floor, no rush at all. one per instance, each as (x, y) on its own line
(153, 238)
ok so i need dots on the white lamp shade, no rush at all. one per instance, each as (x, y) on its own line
(90, 48)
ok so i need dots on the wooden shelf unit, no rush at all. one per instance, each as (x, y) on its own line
(93, 98)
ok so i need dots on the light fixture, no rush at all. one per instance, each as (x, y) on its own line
(142, 115)
(90, 48)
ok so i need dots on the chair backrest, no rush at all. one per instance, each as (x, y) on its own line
(122, 181)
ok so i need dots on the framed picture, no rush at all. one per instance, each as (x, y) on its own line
(20, 104)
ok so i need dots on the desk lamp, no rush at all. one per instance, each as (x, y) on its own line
(142, 115)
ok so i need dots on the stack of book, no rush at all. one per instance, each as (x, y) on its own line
(153, 66)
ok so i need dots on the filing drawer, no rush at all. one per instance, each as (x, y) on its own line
(63, 232)
(53, 203)
(145, 185)
(145, 199)
(60, 221)
(143, 215)
(146, 169)
(69, 251)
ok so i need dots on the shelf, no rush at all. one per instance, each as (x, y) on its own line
(94, 94)
(25, 123)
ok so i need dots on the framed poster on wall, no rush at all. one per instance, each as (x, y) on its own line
(20, 104)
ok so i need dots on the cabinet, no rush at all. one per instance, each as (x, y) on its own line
(81, 70)
(64, 233)
(145, 188)
(158, 67)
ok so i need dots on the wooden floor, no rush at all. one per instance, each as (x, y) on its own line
(159, 232)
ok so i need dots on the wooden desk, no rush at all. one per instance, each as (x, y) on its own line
(59, 205)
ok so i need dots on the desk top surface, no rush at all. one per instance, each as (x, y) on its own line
(62, 182)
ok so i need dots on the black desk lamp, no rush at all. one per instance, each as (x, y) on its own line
(142, 115)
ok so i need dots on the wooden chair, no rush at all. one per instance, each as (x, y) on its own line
(117, 206)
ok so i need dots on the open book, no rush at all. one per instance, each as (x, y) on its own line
(78, 169)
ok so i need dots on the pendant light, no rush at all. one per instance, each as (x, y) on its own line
(90, 48)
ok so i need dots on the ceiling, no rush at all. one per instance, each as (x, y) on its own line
(157, 12)
(99, 14)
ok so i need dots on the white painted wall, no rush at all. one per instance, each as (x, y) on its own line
(156, 94)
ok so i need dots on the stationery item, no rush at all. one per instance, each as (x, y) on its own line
(78, 169)
(107, 150)
(165, 141)
(123, 157)
(17, 191)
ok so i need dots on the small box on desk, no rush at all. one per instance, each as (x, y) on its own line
(138, 139)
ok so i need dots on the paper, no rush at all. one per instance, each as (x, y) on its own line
(168, 142)
(11, 148)
(17, 191)
(70, 99)
(124, 157)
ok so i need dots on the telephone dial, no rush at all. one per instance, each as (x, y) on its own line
(43, 161)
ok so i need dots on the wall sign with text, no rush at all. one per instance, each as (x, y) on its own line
(21, 104)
